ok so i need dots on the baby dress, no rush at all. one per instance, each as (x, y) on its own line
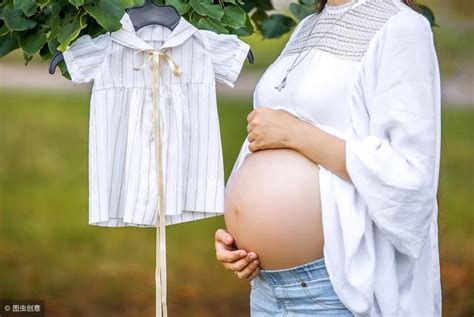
(127, 99)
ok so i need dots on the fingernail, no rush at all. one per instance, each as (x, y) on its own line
(228, 239)
(252, 256)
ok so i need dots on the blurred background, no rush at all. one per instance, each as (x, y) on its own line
(48, 250)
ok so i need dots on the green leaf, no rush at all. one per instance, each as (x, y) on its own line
(311, 3)
(76, 3)
(247, 30)
(43, 3)
(45, 53)
(249, 5)
(53, 45)
(234, 17)
(214, 11)
(70, 30)
(8, 43)
(208, 24)
(16, 20)
(4, 30)
(32, 40)
(181, 6)
(428, 13)
(64, 71)
(258, 17)
(28, 7)
(300, 11)
(276, 26)
(107, 13)
(131, 3)
(27, 57)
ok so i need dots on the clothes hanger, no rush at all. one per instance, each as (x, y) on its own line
(166, 15)
(147, 14)
(151, 13)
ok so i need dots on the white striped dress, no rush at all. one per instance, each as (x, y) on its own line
(122, 168)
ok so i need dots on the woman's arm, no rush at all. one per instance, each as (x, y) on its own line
(321, 147)
(270, 128)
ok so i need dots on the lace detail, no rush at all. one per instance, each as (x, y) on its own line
(339, 7)
(350, 37)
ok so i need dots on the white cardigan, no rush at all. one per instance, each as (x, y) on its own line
(374, 81)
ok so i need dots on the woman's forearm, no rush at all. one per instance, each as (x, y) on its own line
(319, 146)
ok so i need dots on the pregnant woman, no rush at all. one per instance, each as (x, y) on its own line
(331, 205)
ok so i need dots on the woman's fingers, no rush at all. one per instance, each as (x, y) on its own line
(239, 261)
(242, 263)
(254, 274)
(224, 236)
(227, 256)
(251, 137)
(248, 270)
(225, 249)
(249, 128)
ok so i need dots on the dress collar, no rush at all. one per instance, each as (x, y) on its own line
(127, 35)
(341, 8)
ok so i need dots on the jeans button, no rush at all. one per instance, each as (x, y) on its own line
(303, 284)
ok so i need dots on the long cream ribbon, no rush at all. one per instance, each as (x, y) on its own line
(155, 57)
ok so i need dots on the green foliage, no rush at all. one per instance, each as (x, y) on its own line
(429, 14)
(46, 26)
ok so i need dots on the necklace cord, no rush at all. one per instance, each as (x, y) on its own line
(296, 62)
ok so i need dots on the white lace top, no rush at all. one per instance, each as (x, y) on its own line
(372, 80)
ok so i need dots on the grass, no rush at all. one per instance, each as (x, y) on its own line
(48, 251)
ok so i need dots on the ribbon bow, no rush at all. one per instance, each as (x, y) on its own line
(155, 57)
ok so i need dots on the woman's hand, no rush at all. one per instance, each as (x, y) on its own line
(277, 128)
(243, 264)
(270, 128)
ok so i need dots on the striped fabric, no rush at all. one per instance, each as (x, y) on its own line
(122, 168)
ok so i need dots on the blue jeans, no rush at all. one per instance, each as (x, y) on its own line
(303, 290)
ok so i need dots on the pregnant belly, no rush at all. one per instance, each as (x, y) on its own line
(273, 208)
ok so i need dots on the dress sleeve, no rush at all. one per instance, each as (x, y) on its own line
(395, 167)
(84, 57)
(227, 53)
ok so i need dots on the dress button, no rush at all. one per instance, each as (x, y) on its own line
(303, 284)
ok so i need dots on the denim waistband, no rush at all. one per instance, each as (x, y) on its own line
(304, 272)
